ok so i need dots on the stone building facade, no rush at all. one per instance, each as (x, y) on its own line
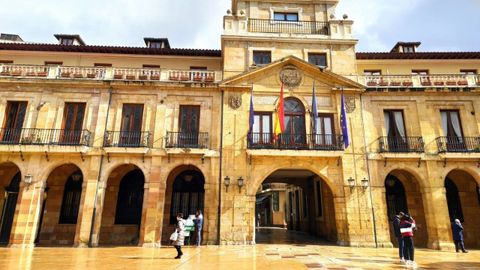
(102, 145)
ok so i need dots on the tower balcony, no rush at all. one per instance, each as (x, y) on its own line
(288, 27)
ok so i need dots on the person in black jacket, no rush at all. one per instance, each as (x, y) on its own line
(457, 230)
(398, 235)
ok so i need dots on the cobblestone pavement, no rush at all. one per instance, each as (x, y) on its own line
(291, 256)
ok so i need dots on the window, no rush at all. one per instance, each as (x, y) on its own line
(372, 72)
(53, 63)
(318, 190)
(276, 201)
(283, 16)
(130, 198)
(155, 45)
(188, 194)
(468, 71)
(318, 59)
(130, 131)
(13, 123)
(395, 129)
(325, 130)
(452, 129)
(262, 128)
(409, 49)
(66, 41)
(262, 57)
(294, 134)
(71, 199)
(72, 123)
(189, 124)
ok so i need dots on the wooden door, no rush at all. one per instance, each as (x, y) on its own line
(131, 129)
(8, 211)
(72, 124)
(13, 123)
(189, 126)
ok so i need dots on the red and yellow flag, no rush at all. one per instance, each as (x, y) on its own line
(280, 117)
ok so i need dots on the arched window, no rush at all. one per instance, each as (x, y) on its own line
(130, 198)
(71, 199)
(188, 194)
(294, 134)
(396, 198)
(453, 201)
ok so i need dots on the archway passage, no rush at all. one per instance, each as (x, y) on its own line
(185, 194)
(10, 177)
(294, 206)
(122, 207)
(403, 195)
(463, 199)
(61, 206)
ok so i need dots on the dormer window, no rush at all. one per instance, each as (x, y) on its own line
(157, 43)
(66, 41)
(409, 49)
(284, 16)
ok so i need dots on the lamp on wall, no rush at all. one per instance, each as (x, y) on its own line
(365, 183)
(226, 182)
(240, 183)
(351, 182)
(28, 178)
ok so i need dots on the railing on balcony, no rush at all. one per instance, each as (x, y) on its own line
(420, 81)
(407, 144)
(109, 73)
(458, 144)
(187, 140)
(130, 139)
(325, 142)
(36, 136)
(289, 27)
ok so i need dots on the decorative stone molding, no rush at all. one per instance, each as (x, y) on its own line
(235, 101)
(290, 76)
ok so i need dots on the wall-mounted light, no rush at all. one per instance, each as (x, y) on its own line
(365, 183)
(226, 182)
(240, 184)
(28, 178)
(351, 182)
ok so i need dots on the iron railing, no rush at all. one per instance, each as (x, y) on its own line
(407, 144)
(458, 144)
(187, 140)
(325, 142)
(36, 136)
(289, 27)
(134, 139)
(420, 81)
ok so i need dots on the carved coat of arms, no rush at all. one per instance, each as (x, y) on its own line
(350, 104)
(235, 101)
(290, 76)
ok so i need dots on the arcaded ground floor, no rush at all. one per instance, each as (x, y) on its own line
(304, 252)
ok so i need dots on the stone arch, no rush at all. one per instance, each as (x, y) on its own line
(123, 181)
(413, 195)
(10, 178)
(62, 203)
(463, 202)
(106, 173)
(44, 174)
(197, 195)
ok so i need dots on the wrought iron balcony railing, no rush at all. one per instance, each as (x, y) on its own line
(289, 27)
(109, 73)
(420, 81)
(130, 139)
(198, 140)
(325, 142)
(458, 144)
(36, 136)
(401, 144)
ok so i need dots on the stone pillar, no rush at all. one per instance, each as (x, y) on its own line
(153, 204)
(85, 215)
(437, 218)
(97, 222)
(27, 213)
(382, 222)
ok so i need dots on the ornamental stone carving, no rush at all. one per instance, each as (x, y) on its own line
(235, 101)
(290, 76)
(350, 104)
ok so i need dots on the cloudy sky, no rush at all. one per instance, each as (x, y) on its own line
(441, 25)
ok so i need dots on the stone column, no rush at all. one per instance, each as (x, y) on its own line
(97, 222)
(382, 223)
(437, 218)
(28, 213)
(85, 215)
(153, 204)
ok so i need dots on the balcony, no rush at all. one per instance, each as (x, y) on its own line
(109, 74)
(197, 140)
(288, 27)
(401, 144)
(419, 82)
(35, 136)
(127, 139)
(321, 142)
(458, 144)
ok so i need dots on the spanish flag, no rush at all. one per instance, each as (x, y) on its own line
(280, 117)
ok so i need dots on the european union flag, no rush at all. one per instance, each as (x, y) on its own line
(251, 119)
(314, 111)
(344, 124)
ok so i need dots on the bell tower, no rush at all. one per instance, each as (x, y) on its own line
(258, 31)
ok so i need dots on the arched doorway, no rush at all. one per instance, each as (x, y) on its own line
(185, 194)
(294, 135)
(294, 206)
(403, 194)
(463, 200)
(122, 207)
(10, 183)
(61, 206)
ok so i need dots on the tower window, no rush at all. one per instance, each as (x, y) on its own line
(283, 16)
(318, 59)
(262, 57)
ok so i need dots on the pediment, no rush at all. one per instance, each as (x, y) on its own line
(294, 73)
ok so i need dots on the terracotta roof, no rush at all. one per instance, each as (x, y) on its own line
(418, 55)
(108, 49)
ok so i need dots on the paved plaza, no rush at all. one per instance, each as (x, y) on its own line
(288, 255)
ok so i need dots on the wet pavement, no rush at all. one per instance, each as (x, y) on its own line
(291, 254)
